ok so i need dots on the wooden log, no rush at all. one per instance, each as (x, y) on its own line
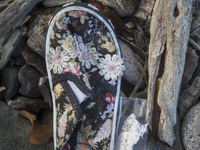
(13, 15)
(8, 44)
(145, 10)
(170, 29)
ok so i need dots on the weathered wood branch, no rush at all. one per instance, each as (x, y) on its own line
(7, 47)
(170, 29)
(12, 16)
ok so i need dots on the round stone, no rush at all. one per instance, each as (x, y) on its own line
(191, 129)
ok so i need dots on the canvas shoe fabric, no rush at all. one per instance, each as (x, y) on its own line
(84, 67)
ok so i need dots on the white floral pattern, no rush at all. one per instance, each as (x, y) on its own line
(62, 22)
(111, 67)
(67, 42)
(79, 14)
(87, 55)
(74, 50)
(73, 67)
(57, 59)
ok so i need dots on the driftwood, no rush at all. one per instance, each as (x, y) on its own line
(8, 44)
(13, 15)
(169, 32)
(145, 10)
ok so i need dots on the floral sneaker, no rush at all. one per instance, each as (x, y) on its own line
(84, 67)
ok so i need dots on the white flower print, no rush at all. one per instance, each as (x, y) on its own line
(79, 14)
(74, 50)
(111, 67)
(67, 42)
(62, 122)
(62, 22)
(57, 59)
(86, 81)
(78, 38)
(73, 67)
(87, 55)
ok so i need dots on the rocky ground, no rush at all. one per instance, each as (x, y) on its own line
(23, 78)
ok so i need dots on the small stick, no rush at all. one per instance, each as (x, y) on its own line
(141, 52)
(139, 81)
(194, 44)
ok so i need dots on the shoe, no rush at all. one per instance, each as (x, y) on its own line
(84, 67)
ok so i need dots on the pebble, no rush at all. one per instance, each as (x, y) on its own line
(15, 130)
(29, 78)
(191, 129)
(34, 59)
(132, 73)
(17, 51)
(11, 82)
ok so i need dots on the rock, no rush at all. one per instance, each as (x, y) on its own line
(17, 53)
(190, 65)
(132, 72)
(29, 78)
(15, 130)
(51, 3)
(152, 145)
(11, 82)
(191, 128)
(44, 89)
(46, 117)
(29, 104)
(34, 59)
(123, 7)
(188, 97)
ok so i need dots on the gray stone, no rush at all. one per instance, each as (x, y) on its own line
(15, 130)
(29, 78)
(46, 117)
(132, 73)
(17, 51)
(10, 81)
(191, 129)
